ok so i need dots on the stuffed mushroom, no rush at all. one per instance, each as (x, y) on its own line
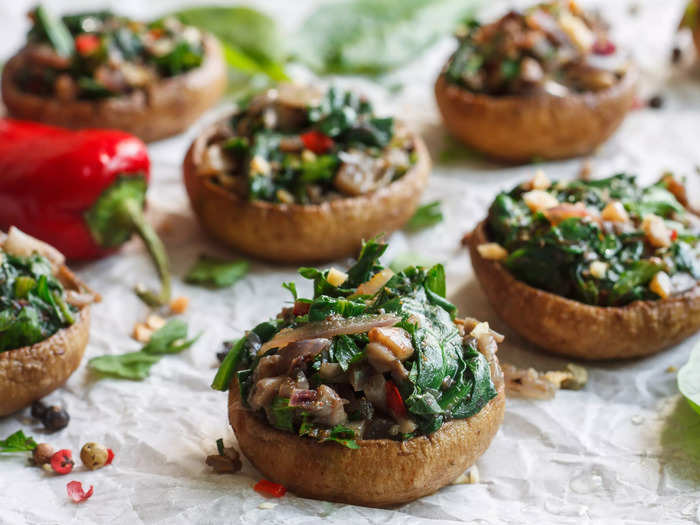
(691, 21)
(371, 392)
(546, 82)
(44, 320)
(102, 70)
(592, 269)
(298, 175)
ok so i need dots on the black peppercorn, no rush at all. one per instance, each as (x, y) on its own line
(39, 409)
(55, 419)
(656, 102)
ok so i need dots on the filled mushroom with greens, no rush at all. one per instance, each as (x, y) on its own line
(542, 82)
(595, 269)
(371, 391)
(298, 174)
(99, 69)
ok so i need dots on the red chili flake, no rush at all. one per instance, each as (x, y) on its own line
(110, 456)
(86, 44)
(301, 308)
(76, 492)
(394, 399)
(270, 489)
(62, 461)
(317, 141)
(604, 47)
(674, 235)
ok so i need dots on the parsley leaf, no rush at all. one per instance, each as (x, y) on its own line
(215, 272)
(17, 442)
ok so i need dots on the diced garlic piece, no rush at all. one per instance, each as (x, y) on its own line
(539, 200)
(492, 251)
(336, 277)
(480, 329)
(142, 333)
(615, 211)
(656, 231)
(308, 156)
(598, 269)
(661, 285)
(576, 29)
(259, 165)
(540, 181)
(470, 477)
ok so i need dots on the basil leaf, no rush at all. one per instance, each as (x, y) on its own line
(281, 414)
(344, 436)
(215, 272)
(364, 268)
(374, 36)
(251, 40)
(345, 352)
(425, 216)
(17, 442)
(133, 365)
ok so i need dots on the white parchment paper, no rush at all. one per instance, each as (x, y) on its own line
(624, 450)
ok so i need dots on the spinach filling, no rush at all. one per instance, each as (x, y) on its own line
(305, 149)
(32, 302)
(358, 396)
(99, 54)
(555, 249)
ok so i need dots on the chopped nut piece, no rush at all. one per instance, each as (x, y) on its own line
(671, 369)
(582, 37)
(223, 464)
(531, 384)
(267, 505)
(284, 196)
(395, 339)
(179, 304)
(577, 379)
(336, 277)
(470, 477)
(661, 285)
(676, 187)
(308, 156)
(540, 181)
(657, 233)
(615, 211)
(258, 165)
(154, 322)
(539, 200)
(492, 251)
(42, 454)
(142, 333)
(598, 269)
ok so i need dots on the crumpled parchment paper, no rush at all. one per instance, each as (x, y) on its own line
(624, 450)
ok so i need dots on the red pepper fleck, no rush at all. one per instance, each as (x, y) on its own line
(86, 44)
(394, 399)
(317, 141)
(110, 456)
(674, 235)
(301, 308)
(76, 492)
(604, 47)
(268, 488)
(62, 461)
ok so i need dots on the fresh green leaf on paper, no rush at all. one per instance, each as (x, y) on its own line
(17, 442)
(375, 36)
(689, 379)
(219, 273)
(425, 216)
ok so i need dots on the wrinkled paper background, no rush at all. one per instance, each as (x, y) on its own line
(626, 449)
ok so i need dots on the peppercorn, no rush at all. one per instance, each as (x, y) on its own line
(94, 455)
(56, 418)
(42, 454)
(656, 102)
(676, 55)
(62, 461)
(39, 409)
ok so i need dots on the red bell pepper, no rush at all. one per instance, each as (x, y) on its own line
(270, 489)
(394, 400)
(316, 142)
(80, 191)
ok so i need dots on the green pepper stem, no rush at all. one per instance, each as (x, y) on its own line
(133, 210)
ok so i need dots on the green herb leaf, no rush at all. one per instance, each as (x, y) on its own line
(56, 31)
(344, 436)
(689, 379)
(17, 442)
(134, 365)
(345, 352)
(215, 272)
(224, 374)
(406, 259)
(425, 216)
(281, 414)
(373, 36)
(251, 40)
(170, 339)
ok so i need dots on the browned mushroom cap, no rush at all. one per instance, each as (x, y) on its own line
(575, 329)
(32, 372)
(296, 233)
(166, 108)
(520, 128)
(382, 472)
